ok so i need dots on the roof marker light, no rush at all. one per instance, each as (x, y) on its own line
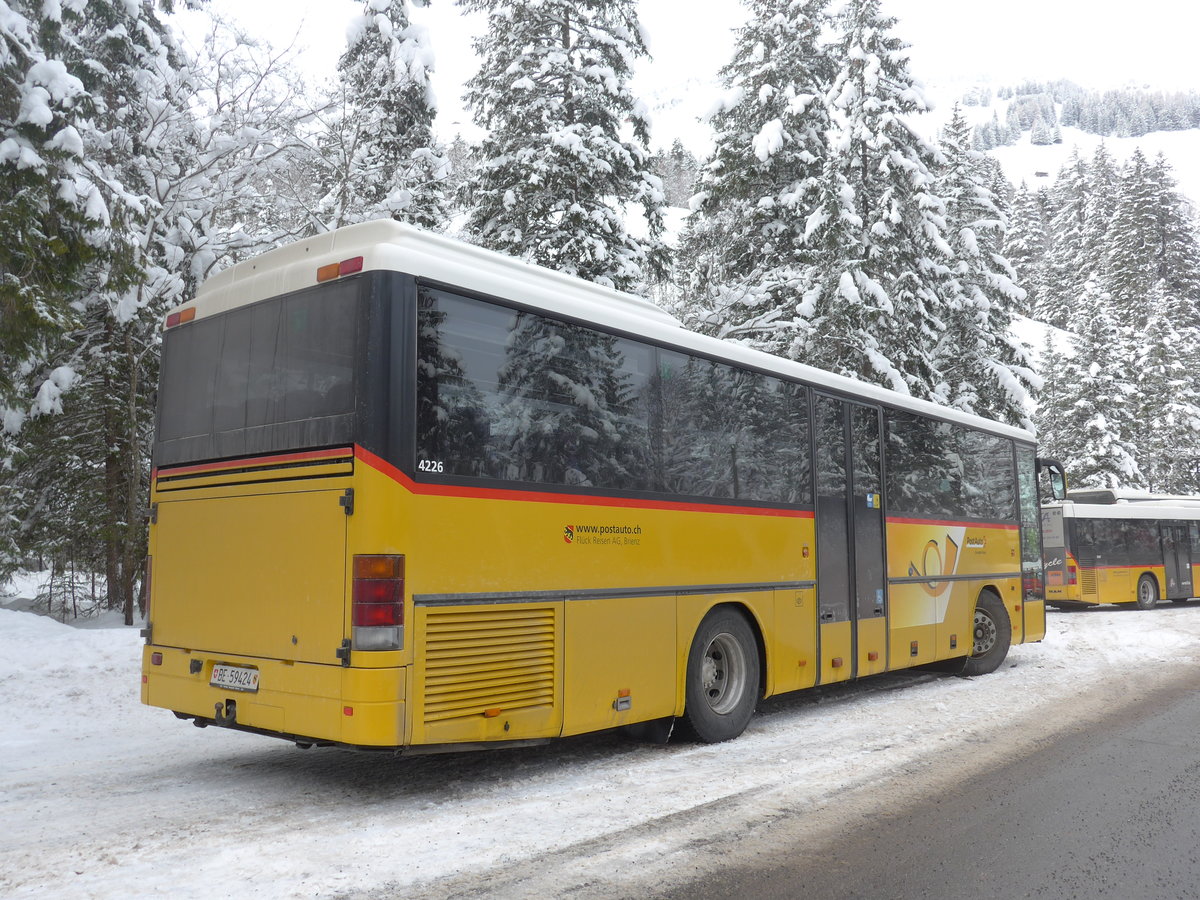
(330, 271)
(181, 316)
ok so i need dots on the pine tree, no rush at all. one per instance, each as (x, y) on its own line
(1168, 413)
(1026, 245)
(1040, 133)
(984, 367)
(51, 212)
(173, 190)
(873, 300)
(1100, 204)
(678, 170)
(384, 160)
(1068, 268)
(1097, 405)
(567, 151)
(745, 249)
(1177, 241)
(1132, 264)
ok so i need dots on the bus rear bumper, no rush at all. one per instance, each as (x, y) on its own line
(305, 702)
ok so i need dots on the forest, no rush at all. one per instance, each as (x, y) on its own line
(823, 227)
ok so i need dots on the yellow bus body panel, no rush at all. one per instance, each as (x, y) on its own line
(938, 571)
(837, 652)
(527, 615)
(221, 552)
(301, 699)
(872, 642)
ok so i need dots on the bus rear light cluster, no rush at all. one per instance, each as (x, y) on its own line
(377, 603)
(1072, 574)
(181, 316)
(340, 269)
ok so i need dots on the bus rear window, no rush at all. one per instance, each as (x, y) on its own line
(276, 375)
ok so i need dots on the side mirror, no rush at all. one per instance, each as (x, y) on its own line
(1057, 475)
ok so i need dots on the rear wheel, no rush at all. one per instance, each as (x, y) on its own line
(722, 677)
(991, 635)
(1147, 592)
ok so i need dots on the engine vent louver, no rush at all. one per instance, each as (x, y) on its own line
(483, 659)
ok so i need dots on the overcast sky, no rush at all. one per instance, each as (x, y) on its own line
(1096, 43)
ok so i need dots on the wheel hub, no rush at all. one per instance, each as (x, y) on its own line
(985, 633)
(723, 673)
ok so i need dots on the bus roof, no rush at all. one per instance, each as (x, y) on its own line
(1117, 495)
(1139, 510)
(386, 245)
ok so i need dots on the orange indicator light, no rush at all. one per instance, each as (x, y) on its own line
(492, 713)
(329, 272)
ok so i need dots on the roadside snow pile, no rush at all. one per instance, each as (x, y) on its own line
(115, 799)
(62, 684)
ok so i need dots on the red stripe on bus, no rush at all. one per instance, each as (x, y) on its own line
(950, 523)
(448, 490)
(254, 461)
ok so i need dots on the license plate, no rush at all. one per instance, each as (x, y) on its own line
(234, 678)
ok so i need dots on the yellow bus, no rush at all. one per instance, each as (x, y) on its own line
(412, 494)
(1128, 548)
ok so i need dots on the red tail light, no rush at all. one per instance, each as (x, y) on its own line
(1072, 575)
(377, 603)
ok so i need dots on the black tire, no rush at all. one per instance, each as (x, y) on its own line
(1147, 592)
(991, 634)
(722, 678)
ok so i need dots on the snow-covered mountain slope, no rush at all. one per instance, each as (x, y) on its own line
(1038, 166)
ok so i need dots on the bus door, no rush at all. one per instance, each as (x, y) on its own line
(851, 595)
(1177, 561)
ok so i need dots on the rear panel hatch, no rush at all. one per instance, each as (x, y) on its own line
(252, 574)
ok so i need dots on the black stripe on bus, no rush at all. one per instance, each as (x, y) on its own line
(938, 579)
(606, 594)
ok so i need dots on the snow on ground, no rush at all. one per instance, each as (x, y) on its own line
(105, 798)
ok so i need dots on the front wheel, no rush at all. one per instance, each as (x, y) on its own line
(1147, 592)
(992, 636)
(722, 678)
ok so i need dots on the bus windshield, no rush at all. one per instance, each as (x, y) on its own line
(275, 375)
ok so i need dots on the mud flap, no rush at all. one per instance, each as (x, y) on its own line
(656, 731)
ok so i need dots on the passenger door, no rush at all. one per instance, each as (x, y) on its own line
(851, 592)
(1177, 560)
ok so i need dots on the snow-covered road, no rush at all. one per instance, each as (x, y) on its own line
(102, 797)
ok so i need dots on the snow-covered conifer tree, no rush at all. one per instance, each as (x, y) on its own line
(1097, 404)
(1166, 424)
(744, 254)
(1026, 244)
(873, 297)
(382, 159)
(1068, 269)
(1132, 270)
(1177, 238)
(984, 367)
(567, 154)
(167, 186)
(51, 214)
